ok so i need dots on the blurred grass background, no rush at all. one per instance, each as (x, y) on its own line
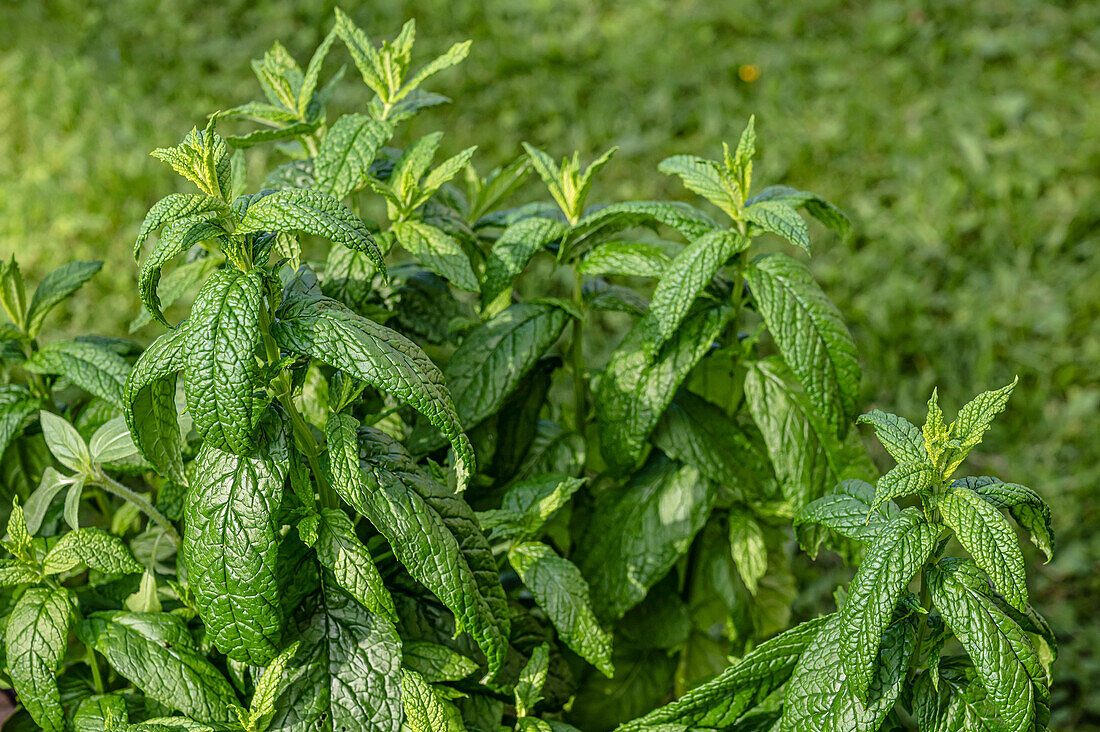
(963, 138)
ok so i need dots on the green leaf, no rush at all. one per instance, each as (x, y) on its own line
(828, 214)
(513, 250)
(747, 546)
(221, 367)
(157, 653)
(561, 591)
(438, 251)
(378, 486)
(905, 479)
(262, 707)
(452, 57)
(306, 94)
(638, 385)
(436, 663)
(38, 503)
(687, 277)
(362, 52)
(897, 554)
(112, 442)
(177, 238)
(346, 674)
(776, 217)
(201, 158)
(72, 503)
(412, 166)
(94, 368)
(810, 335)
(531, 680)
(12, 573)
(820, 698)
(848, 511)
(150, 400)
(974, 419)
(1007, 663)
(174, 285)
(720, 702)
(340, 551)
(1025, 506)
(425, 711)
(986, 535)
(261, 136)
(528, 504)
(496, 355)
(902, 439)
(311, 212)
(54, 289)
(16, 407)
(177, 206)
(230, 548)
(443, 173)
(639, 533)
(35, 643)
(328, 331)
(344, 159)
(93, 548)
(13, 293)
(701, 177)
(604, 221)
(623, 258)
(99, 713)
(65, 442)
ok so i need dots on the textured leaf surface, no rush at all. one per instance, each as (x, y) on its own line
(686, 278)
(94, 548)
(901, 438)
(828, 214)
(810, 334)
(150, 402)
(848, 512)
(897, 554)
(905, 479)
(637, 386)
(750, 553)
(328, 331)
(310, 212)
(633, 259)
(231, 549)
(425, 711)
(94, 368)
(699, 176)
(986, 535)
(639, 534)
(344, 159)
(819, 697)
(528, 504)
(976, 415)
(176, 206)
(35, 643)
(16, 405)
(438, 251)
(1025, 506)
(378, 487)
(55, 288)
(723, 700)
(221, 367)
(341, 552)
(346, 675)
(436, 663)
(177, 238)
(776, 217)
(561, 591)
(513, 250)
(1006, 662)
(156, 652)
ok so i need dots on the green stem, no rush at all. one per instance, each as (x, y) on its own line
(576, 349)
(93, 664)
(112, 486)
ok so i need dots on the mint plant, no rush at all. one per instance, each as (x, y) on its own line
(385, 471)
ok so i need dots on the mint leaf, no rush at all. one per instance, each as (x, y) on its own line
(513, 250)
(65, 442)
(625, 258)
(905, 479)
(528, 504)
(178, 237)
(747, 546)
(35, 643)
(902, 439)
(776, 217)
(94, 548)
(531, 680)
(344, 159)
(340, 551)
(438, 251)
(1025, 506)
(94, 368)
(848, 511)
(150, 400)
(436, 663)
(54, 289)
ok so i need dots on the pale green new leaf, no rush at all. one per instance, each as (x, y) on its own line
(896, 555)
(700, 176)
(442, 173)
(65, 442)
(344, 159)
(157, 653)
(1006, 661)
(686, 279)
(55, 288)
(411, 167)
(638, 385)
(513, 250)
(35, 643)
(425, 711)
(639, 533)
(810, 334)
(151, 393)
(561, 591)
(528, 504)
(328, 331)
(747, 547)
(221, 367)
(310, 212)
(438, 251)
(973, 420)
(112, 442)
(262, 707)
(340, 551)
(602, 222)
(362, 52)
(902, 439)
(720, 702)
(531, 680)
(13, 572)
(94, 368)
(230, 547)
(452, 57)
(1025, 506)
(201, 158)
(93, 548)
(986, 535)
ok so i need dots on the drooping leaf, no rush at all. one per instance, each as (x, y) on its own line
(173, 207)
(328, 331)
(340, 551)
(828, 214)
(150, 403)
(848, 511)
(810, 335)
(177, 238)
(231, 550)
(561, 591)
(635, 537)
(221, 367)
(16, 406)
(1025, 506)
(35, 643)
(156, 652)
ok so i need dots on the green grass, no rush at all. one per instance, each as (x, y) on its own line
(964, 140)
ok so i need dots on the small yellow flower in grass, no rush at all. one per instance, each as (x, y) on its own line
(748, 72)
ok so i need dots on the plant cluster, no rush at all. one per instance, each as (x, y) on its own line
(386, 487)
